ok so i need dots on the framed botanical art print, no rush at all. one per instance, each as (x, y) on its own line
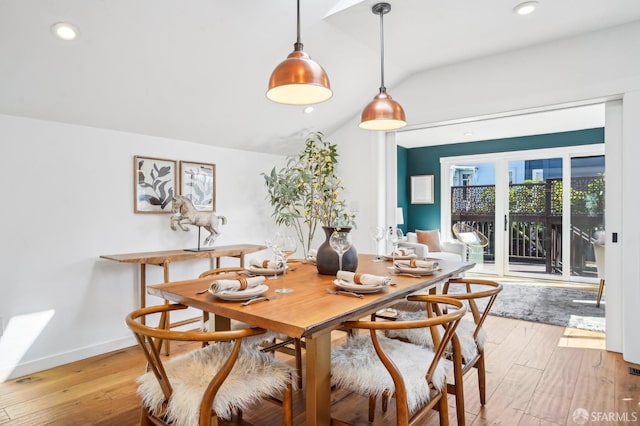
(198, 184)
(422, 189)
(154, 184)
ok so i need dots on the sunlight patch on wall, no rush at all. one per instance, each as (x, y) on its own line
(21, 332)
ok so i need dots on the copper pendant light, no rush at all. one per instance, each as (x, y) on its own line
(383, 113)
(299, 80)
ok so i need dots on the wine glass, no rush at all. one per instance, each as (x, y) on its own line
(272, 244)
(377, 234)
(394, 236)
(340, 242)
(286, 247)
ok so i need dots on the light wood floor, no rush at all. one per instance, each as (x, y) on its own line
(536, 375)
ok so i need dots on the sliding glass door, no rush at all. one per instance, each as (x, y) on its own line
(534, 231)
(535, 225)
(473, 195)
(587, 213)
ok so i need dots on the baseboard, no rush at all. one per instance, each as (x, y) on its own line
(30, 367)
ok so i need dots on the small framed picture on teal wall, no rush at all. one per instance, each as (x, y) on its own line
(422, 189)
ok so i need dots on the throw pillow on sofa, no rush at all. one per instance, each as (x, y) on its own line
(430, 238)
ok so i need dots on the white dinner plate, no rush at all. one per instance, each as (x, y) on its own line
(357, 288)
(405, 257)
(264, 271)
(416, 271)
(247, 294)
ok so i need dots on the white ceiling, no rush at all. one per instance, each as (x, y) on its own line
(197, 70)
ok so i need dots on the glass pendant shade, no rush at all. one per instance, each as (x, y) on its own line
(383, 113)
(299, 80)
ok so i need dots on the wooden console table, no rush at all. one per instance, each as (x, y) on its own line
(164, 258)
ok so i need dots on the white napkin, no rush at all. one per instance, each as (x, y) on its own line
(364, 279)
(237, 284)
(415, 263)
(264, 264)
(402, 252)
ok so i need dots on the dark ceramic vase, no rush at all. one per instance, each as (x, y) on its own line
(327, 259)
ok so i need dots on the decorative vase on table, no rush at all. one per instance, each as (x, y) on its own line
(327, 259)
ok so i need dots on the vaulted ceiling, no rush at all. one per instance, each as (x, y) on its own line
(197, 70)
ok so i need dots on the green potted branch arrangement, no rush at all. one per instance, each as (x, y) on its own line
(305, 194)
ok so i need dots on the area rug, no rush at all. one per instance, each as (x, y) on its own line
(562, 306)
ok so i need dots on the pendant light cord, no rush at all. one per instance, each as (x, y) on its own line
(382, 88)
(298, 46)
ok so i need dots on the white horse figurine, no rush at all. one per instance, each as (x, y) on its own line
(184, 213)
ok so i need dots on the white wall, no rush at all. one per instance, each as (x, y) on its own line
(599, 65)
(361, 180)
(69, 199)
(630, 235)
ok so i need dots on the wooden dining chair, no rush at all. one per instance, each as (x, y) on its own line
(270, 341)
(467, 347)
(374, 365)
(209, 383)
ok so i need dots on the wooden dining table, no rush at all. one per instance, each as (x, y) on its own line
(309, 312)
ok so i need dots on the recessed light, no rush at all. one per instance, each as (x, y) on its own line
(467, 134)
(525, 8)
(308, 110)
(65, 31)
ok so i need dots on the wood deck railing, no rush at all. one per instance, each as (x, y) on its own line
(535, 221)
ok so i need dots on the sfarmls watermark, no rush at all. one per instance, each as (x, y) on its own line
(582, 417)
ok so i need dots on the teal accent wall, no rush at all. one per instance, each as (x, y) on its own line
(426, 161)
